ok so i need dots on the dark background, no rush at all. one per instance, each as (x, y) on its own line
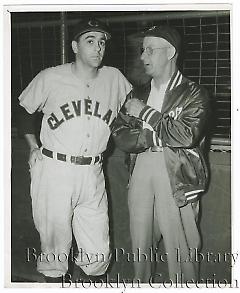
(205, 58)
(205, 54)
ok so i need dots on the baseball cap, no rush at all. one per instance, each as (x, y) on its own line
(166, 32)
(91, 25)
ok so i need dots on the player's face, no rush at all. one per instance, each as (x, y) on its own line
(90, 48)
(155, 56)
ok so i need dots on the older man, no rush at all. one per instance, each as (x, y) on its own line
(163, 128)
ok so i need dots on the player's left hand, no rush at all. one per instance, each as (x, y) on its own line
(134, 107)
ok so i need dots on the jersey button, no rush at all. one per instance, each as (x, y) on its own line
(88, 118)
(88, 85)
(85, 150)
(88, 135)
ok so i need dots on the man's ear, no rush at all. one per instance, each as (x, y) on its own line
(171, 52)
(74, 47)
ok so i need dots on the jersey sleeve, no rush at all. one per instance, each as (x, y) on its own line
(124, 87)
(34, 95)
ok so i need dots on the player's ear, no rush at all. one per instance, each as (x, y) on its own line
(74, 47)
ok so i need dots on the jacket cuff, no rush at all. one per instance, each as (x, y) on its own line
(150, 115)
(183, 197)
(193, 196)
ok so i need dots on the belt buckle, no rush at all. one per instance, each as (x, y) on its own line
(74, 160)
(80, 160)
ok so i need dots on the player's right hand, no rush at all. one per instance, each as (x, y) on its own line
(35, 154)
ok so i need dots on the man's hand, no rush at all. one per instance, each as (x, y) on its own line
(134, 107)
(35, 154)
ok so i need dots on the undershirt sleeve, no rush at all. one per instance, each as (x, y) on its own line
(26, 123)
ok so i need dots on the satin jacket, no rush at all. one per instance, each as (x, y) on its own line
(179, 128)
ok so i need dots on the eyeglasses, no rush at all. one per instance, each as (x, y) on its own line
(149, 50)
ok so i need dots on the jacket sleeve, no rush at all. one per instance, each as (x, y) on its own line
(129, 134)
(183, 129)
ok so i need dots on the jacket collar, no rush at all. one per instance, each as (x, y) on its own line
(175, 80)
(142, 92)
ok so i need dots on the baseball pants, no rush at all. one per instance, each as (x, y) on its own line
(66, 198)
(154, 214)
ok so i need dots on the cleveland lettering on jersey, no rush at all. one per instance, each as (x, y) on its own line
(78, 108)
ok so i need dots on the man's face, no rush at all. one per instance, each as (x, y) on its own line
(156, 60)
(90, 48)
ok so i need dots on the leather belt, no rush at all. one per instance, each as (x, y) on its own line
(77, 160)
(155, 149)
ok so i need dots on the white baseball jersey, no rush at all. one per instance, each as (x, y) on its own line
(68, 197)
(77, 115)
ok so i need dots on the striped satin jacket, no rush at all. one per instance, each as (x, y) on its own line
(180, 128)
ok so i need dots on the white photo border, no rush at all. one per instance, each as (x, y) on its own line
(20, 6)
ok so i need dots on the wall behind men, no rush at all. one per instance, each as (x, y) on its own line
(205, 56)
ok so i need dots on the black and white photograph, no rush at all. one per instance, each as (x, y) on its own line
(121, 142)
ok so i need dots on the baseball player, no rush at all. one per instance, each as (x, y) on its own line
(79, 100)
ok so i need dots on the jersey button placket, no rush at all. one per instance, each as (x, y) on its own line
(88, 117)
(88, 135)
